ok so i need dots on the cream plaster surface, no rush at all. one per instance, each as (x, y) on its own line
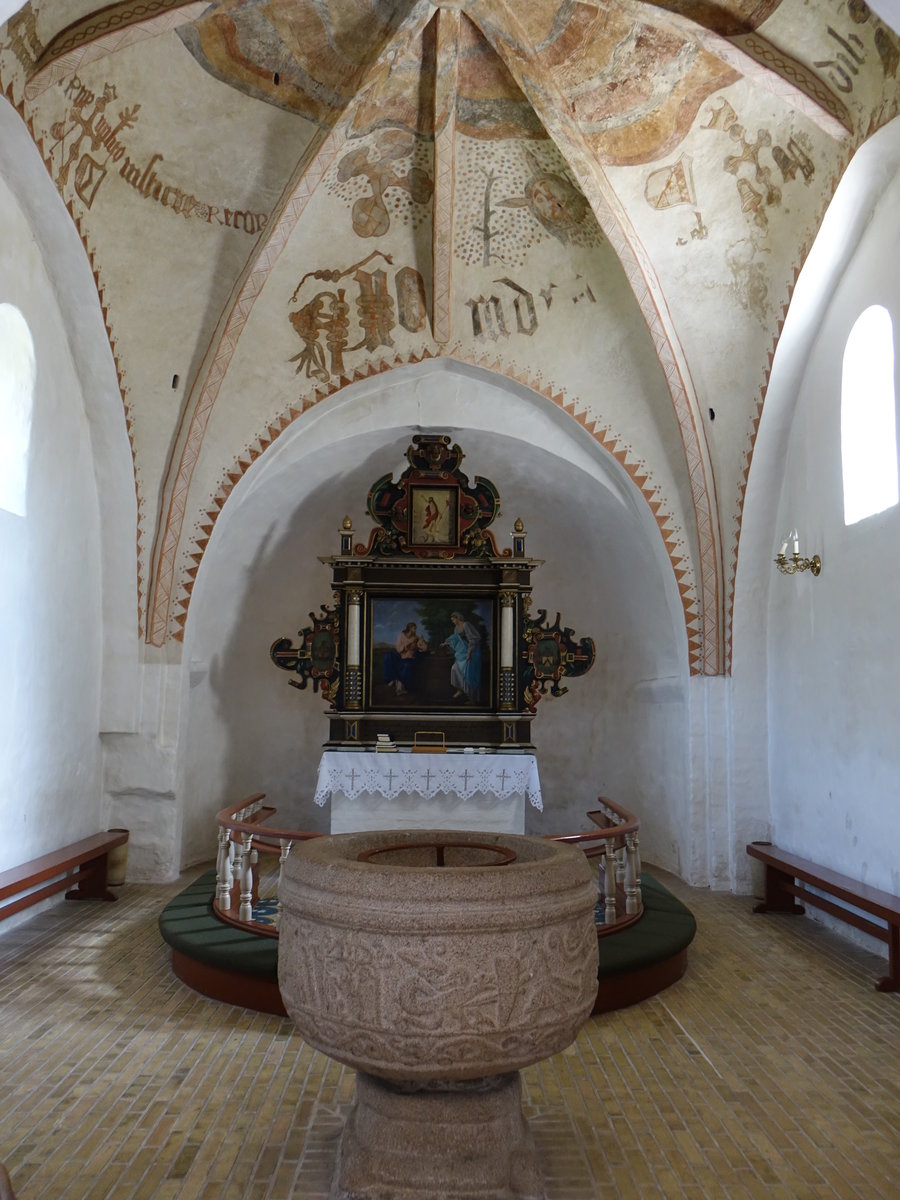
(801, 32)
(166, 277)
(50, 598)
(815, 666)
(833, 722)
(739, 274)
(66, 267)
(61, 15)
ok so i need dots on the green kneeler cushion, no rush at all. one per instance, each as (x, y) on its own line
(627, 959)
(189, 925)
(665, 928)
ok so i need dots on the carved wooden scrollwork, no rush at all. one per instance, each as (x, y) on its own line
(316, 659)
(432, 511)
(551, 653)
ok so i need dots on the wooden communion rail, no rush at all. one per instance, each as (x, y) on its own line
(244, 834)
(239, 964)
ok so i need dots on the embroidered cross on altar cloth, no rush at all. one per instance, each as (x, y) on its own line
(356, 773)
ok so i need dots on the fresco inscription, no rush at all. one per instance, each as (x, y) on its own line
(487, 318)
(327, 314)
(87, 148)
(699, 233)
(849, 56)
(756, 182)
(23, 39)
(490, 321)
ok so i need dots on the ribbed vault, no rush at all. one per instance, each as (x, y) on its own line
(610, 201)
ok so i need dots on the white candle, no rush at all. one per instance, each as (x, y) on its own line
(506, 636)
(783, 551)
(353, 634)
(796, 542)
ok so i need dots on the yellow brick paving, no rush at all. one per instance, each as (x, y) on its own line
(770, 1072)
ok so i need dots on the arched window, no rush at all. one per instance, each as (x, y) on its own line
(16, 396)
(868, 420)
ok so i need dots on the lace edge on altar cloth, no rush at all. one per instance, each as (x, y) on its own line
(354, 774)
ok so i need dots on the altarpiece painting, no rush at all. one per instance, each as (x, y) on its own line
(431, 631)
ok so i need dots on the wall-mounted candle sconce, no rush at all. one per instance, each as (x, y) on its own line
(791, 566)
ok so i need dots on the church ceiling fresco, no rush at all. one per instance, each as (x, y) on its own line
(609, 202)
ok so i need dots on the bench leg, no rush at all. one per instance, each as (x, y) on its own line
(6, 1188)
(778, 899)
(891, 981)
(90, 882)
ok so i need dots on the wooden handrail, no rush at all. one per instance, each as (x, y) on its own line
(616, 843)
(242, 834)
(243, 830)
(270, 835)
(628, 824)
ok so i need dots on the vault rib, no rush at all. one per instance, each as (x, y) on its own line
(300, 188)
(105, 32)
(792, 81)
(445, 89)
(763, 63)
(492, 17)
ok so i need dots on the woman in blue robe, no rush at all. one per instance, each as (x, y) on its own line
(465, 674)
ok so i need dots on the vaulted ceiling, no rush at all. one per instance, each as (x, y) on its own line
(609, 202)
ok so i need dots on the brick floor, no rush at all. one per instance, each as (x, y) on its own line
(770, 1070)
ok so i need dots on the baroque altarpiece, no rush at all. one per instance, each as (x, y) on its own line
(430, 638)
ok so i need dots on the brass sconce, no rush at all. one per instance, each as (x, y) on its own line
(794, 564)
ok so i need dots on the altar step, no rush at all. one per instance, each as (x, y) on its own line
(241, 968)
(647, 956)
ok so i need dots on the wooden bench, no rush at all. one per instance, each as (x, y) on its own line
(83, 864)
(787, 873)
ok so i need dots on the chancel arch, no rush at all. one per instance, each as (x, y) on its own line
(813, 723)
(605, 567)
(55, 242)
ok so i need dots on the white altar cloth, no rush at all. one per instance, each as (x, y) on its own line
(427, 791)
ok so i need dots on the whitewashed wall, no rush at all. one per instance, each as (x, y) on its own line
(50, 596)
(817, 661)
(621, 730)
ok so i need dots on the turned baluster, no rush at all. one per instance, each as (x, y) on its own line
(285, 844)
(632, 874)
(224, 868)
(609, 874)
(620, 866)
(248, 854)
(237, 871)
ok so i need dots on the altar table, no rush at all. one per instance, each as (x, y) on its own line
(485, 792)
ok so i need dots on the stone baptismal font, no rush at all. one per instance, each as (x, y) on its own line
(437, 964)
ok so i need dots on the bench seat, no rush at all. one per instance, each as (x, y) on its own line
(785, 877)
(82, 864)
